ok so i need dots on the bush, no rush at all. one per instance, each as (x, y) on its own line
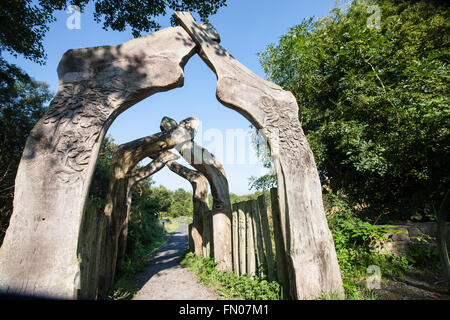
(374, 101)
(355, 242)
(229, 285)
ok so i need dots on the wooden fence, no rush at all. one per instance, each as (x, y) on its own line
(254, 251)
(257, 249)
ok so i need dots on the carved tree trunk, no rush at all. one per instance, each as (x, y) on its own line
(311, 256)
(199, 198)
(212, 169)
(136, 176)
(206, 163)
(124, 159)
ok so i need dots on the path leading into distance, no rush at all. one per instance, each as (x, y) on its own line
(166, 279)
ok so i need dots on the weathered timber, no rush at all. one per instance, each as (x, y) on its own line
(251, 259)
(235, 238)
(123, 161)
(280, 253)
(242, 240)
(134, 177)
(267, 238)
(207, 236)
(258, 240)
(206, 163)
(199, 199)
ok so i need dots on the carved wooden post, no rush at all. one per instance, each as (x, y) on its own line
(282, 272)
(206, 163)
(235, 238)
(199, 198)
(242, 240)
(221, 210)
(266, 236)
(92, 235)
(124, 159)
(312, 261)
(134, 177)
(258, 240)
(39, 252)
(251, 262)
(207, 236)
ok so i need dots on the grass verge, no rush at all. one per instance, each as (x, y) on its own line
(228, 285)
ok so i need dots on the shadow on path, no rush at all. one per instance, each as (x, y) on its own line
(165, 278)
(167, 257)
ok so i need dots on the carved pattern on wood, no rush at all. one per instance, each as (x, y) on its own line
(77, 115)
(283, 126)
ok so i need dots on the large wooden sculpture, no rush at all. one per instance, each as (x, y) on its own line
(123, 161)
(199, 200)
(39, 252)
(206, 163)
(136, 176)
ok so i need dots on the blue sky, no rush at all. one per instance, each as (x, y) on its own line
(246, 27)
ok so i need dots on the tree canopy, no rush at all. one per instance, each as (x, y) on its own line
(374, 101)
(24, 23)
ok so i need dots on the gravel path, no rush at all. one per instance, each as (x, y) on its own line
(166, 279)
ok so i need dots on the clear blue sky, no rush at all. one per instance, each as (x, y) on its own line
(246, 27)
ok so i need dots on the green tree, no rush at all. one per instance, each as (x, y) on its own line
(374, 101)
(181, 203)
(158, 200)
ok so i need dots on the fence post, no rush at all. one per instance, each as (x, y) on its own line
(258, 240)
(251, 264)
(282, 273)
(207, 235)
(266, 236)
(242, 240)
(191, 240)
(235, 238)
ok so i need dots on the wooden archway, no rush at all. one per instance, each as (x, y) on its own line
(39, 253)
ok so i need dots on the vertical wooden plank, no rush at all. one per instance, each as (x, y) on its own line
(235, 239)
(266, 237)
(211, 235)
(261, 263)
(242, 240)
(282, 272)
(191, 240)
(206, 235)
(251, 263)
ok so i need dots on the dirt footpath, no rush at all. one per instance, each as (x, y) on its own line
(165, 279)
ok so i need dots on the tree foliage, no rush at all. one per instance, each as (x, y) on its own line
(24, 23)
(374, 102)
